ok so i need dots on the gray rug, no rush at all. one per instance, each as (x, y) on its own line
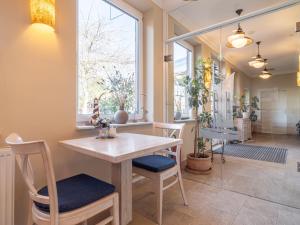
(263, 153)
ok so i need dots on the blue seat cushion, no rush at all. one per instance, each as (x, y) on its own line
(76, 192)
(154, 163)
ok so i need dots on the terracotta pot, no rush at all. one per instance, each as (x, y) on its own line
(198, 164)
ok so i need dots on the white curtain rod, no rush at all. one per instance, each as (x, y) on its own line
(225, 23)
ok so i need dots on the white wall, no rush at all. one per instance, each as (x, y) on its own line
(282, 82)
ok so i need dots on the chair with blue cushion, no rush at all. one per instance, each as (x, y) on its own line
(160, 167)
(66, 202)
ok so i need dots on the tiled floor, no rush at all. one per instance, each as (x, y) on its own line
(239, 192)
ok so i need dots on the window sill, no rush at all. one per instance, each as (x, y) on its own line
(89, 127)
(185, 121)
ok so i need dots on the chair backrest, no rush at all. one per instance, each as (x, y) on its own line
(23, 150)
(170, 130)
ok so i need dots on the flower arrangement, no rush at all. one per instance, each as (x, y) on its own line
(103, 123)
(178, 105)
(120, 86)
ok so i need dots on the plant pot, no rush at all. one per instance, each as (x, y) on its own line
(245, 115)
(198, 165)
(178, 116)
(121, 117)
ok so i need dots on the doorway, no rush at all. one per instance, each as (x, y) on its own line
(273, 111)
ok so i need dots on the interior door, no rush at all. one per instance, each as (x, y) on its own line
(273, 111)
(279, 116)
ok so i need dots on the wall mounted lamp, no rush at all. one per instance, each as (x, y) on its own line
(43, 11)
(298, 74)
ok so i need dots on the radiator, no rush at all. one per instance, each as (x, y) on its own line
(7, 168)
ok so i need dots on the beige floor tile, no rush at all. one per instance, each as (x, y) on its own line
(254, 217)
(239, 192)
(138, 219)
(288, 216)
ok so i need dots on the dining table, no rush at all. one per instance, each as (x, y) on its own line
(120, 151)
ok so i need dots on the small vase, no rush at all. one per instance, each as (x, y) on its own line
(103, 133)
(121, 117)
(178, 116)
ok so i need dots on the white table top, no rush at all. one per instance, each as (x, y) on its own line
(125, 146)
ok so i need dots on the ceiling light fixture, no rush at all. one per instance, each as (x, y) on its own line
(258, 61)
(265, 73)
(239, 38)
(265, 76)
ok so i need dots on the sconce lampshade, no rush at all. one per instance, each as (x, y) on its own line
(43, 11)
(298, 79)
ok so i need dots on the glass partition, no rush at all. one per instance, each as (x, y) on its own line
(235, 83)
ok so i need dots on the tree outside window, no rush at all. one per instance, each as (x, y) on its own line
(108, 45)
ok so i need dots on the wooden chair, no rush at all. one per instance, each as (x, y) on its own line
(162, 167)
(66, 202)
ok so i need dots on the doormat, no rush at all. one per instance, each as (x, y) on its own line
(262, 153)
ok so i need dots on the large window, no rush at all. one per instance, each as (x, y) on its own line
(183, 64)
(109, 57)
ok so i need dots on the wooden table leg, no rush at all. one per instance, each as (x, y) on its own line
(122, 179)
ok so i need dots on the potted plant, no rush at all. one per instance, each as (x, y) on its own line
(244, 107)
(253, 108)
(298, 128)
(199, 161)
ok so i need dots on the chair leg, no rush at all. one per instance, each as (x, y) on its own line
(115, 211)
(159, 200)
(181, 187)
(29, 218)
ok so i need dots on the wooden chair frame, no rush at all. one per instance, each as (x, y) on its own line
(23, 150)
(159, 178)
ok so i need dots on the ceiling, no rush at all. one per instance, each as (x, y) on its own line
(141, 5)
(280, 43)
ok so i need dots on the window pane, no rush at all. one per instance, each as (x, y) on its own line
(107, 57)
(182, 68)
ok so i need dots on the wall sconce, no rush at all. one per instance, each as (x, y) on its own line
(43, 11)
(298, 74)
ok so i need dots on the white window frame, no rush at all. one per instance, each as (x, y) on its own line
(190, 48)
(126, 8)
